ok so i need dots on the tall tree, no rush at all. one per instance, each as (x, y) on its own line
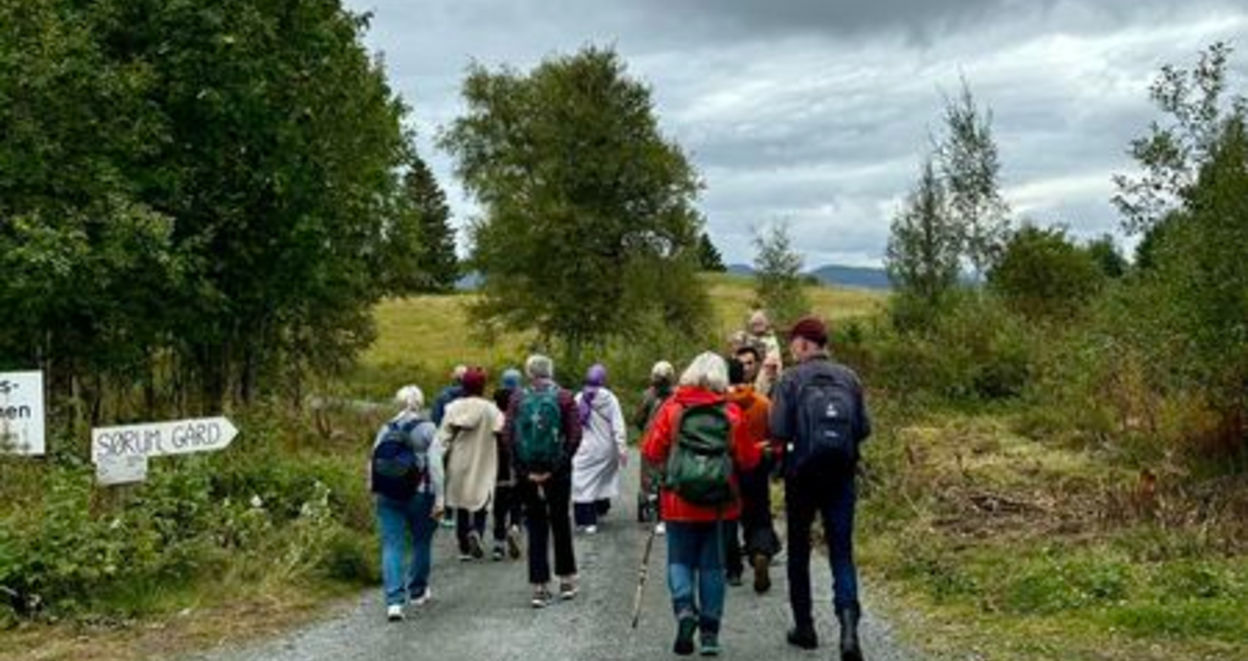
(922, 257)
(420, 241)
(1171, 154)
(205, 186)
(778, 282)
(709, 257)
(582, 197)
(968, 162)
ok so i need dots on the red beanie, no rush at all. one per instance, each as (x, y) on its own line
(810, 328)
(474, 381)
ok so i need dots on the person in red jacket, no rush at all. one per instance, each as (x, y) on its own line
(694, 533)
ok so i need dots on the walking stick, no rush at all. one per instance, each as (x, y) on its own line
(642, 573)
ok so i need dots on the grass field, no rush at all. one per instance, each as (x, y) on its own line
(421, 338)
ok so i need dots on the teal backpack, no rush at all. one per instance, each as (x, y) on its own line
(699, 468)
(538, 426)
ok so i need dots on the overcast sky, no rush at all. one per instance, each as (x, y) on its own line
(819, 111)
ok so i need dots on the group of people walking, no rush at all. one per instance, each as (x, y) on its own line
(711, 442)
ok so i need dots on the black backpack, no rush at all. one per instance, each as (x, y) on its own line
(827, 430)
(398, 467)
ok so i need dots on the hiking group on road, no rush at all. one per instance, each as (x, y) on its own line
(712, 441)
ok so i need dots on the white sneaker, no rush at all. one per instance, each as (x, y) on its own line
(589, 530)
(394, 613)
(660, 528)
(424, 597)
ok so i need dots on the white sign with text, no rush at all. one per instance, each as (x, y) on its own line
(161, 438)
(22, 413)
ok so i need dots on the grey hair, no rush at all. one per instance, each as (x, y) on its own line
(709, 371)
(411, 398)
(539, 367)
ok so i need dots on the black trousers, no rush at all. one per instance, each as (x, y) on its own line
(547, 515)
(467, 521)
(507, 507)
(833, 498)
(756, 521)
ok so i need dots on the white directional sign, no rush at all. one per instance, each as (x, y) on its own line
(116, 469)
(162, 438)
(21, 413)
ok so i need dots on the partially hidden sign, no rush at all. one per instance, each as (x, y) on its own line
(117, 469)
(161, 438)
(21, 413)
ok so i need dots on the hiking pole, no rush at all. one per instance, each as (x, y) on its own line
(642, 573)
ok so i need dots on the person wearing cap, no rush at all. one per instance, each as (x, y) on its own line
(603, 451)
(469, 432)
(507, 502)
(820, 416)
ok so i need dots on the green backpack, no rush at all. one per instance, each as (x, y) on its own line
(538, 425)
(699, 469)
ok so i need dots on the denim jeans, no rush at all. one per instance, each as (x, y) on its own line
(833, 497)
(695, 559)
(401, 522)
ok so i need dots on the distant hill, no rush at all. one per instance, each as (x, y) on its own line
(862, 277)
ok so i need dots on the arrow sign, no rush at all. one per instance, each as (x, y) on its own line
(162, 438)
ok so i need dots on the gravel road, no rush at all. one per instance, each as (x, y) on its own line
(480, 611)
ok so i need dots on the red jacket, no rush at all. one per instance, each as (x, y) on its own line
(658, 443)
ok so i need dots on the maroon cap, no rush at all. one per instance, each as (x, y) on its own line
(810, 328)
(474, 381)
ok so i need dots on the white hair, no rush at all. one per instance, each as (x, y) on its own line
(707, 371)
(411, 398)
(662, 371)
(539, 367)
(458, 373)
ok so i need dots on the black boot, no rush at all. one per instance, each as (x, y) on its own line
(803, 637)
(850, 651)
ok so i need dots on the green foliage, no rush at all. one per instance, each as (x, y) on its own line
(261, 512)
(778, 275)
(967, 156)
(195, 199)
(922, 258)
(1173, 154)
(1104, 251)
(1042, 274)
(436, 269)
(709, 258)
(584, 201)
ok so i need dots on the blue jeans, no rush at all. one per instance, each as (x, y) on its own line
(695, 552)
(400, 522)
(833, 497)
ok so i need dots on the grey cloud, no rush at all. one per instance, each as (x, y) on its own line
(819, 112)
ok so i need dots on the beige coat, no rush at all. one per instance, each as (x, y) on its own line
(468, 434)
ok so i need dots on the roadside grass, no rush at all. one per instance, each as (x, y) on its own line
(422, 337)
(1009, 547)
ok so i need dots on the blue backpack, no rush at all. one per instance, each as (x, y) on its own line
(827, 423)
(398, 466)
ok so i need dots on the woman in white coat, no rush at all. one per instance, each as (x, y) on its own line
(603, 451)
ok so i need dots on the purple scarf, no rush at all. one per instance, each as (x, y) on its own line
(594, 379)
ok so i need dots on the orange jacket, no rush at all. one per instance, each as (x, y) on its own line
(658, 443)
(756, 411)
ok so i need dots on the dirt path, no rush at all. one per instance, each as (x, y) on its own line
(481, 611)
